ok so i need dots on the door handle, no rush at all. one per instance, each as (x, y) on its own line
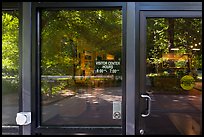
(149, 105)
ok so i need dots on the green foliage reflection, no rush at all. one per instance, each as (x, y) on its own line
(10, 51)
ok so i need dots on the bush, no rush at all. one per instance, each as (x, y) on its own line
(10, 85)
(166, 83)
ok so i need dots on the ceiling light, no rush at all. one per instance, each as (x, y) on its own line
(174, 48)
(195, 49)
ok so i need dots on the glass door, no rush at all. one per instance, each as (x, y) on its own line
(81, 81)
(172, 90)
(10, 71)
(80, 71)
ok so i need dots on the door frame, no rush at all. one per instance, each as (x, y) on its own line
(16, 6)
(159, 9)
(133, 84)
(36, 127)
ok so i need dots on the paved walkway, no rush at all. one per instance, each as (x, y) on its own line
(170, 114)
(90, 107)
(198, 86)
(175, 114)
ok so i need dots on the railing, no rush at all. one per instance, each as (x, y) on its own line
(76, 77)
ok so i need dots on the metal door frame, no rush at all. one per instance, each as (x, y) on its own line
(145, 10)
(16, 6)
(134, 52)
(35, 91)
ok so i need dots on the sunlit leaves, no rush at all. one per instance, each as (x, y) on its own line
(67, 32)
(187, 34)
(10, 50)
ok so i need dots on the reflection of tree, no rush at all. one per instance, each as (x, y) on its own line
(77, 31)
(10, 49)
(170, 32)
(185, 34)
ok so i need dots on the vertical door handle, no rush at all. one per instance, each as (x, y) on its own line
(149, 105)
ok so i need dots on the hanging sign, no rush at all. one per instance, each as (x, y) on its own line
(107, 67)
(187, 82)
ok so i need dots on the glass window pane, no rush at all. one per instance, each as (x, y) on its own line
(174, 75)
(81, 75)
(10, 68)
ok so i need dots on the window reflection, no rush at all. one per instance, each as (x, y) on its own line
(174, 75)
(10, 70)
(81, 66)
